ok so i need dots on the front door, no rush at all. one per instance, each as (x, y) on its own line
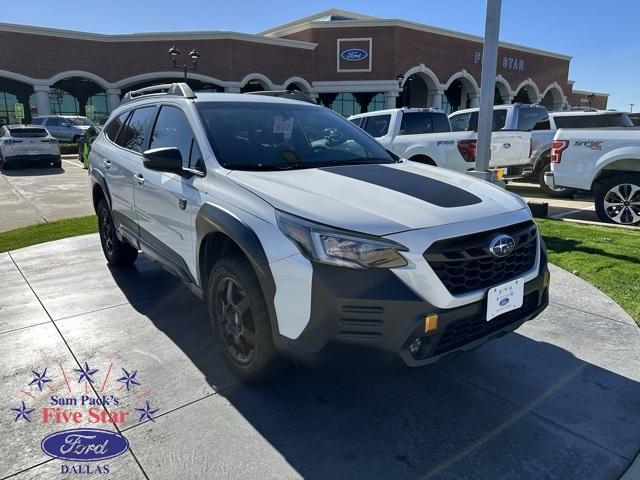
(166, 203)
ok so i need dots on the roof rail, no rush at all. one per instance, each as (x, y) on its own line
(290, 94)
(176, 89)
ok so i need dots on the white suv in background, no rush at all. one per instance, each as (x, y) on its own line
(307, 239)
(26, 146)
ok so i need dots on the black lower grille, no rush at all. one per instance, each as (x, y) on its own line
(465, 264)
(466, 330)
(361, 323)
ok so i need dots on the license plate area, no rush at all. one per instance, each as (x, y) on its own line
(504, 298)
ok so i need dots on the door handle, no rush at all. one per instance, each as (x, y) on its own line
(139, 178)
(106, 163)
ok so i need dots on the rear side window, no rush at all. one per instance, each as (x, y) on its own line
(173, 130)
(37, 121)
(135, 136)
(460, 122)
(27, 132)
(415, 123)
(357, 121)
(617, 120)
(377, 125)
(533, 118)
(593, 121)
(53, 122)
(499, 119)
(114, 126)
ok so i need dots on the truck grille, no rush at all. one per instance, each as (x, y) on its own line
(465, 264)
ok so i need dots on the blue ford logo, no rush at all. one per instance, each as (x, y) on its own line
(84, 444)
(504, 301)
(502, 245)
(354, 54)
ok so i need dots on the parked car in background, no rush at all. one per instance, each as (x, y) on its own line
(27, 145)
(424, 135)
(542, 125)
(84, 143)
(635, 119)
(67, 129)
(605, 161)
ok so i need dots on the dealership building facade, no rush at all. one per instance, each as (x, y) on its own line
(346, 61)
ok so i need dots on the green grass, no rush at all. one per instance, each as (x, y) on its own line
(46, 232)
(606, 257)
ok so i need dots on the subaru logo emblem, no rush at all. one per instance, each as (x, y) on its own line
(502, 245)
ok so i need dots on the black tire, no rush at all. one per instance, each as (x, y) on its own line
(558, 192)
(239, 318)
(424, 159)
(618, 200)
(117, 253)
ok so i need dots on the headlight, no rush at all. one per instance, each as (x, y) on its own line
(340, 247)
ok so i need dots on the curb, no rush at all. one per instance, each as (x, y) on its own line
(598, 224)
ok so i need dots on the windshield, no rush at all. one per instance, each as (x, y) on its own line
(273, 136)
(80, 121)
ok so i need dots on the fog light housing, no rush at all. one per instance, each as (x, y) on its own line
(415, 346)
(546, 279)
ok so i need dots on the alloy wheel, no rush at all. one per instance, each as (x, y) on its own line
(622, 203)
(235, 320)
(108, 232)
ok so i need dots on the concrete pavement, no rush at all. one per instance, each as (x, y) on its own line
(39, 195)
(558, 399)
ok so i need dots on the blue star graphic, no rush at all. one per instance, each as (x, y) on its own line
(23, 412)
(146, 412)
(85, 373)
(39, 379)
(129, 378)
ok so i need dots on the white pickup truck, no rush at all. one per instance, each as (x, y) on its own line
(424, 135)
(605, 161)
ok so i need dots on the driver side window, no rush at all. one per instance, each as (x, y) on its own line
(173, 130)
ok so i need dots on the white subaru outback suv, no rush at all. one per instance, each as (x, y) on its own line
(307, 239)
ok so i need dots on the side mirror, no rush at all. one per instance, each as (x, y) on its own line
(164, 159)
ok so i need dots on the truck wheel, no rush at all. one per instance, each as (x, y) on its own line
(558, 192)
(618, 200)
(117, 253)
(239, 318)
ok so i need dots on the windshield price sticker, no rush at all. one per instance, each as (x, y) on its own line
(283, 125)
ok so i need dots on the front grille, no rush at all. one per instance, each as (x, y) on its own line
(465, 264)
(466, 330)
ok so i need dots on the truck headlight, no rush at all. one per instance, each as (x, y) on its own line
(340, 247)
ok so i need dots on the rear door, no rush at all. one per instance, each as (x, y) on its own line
(130, 133)
(166, 203)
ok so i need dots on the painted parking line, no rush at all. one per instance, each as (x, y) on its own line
(571, 212)
(73, 163)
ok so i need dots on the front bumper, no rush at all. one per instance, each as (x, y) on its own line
(369, 318)
(549, 180)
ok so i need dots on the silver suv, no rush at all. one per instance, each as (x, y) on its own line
(65, 128)
(308, 240)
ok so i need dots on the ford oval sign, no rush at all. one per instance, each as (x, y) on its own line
(503, 302)
(84, 444)
(354, 54)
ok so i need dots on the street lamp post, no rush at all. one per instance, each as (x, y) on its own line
(194, 55)
(591, 98)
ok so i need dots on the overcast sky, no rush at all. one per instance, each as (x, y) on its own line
(600, 36)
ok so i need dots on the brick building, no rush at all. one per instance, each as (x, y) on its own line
(347, 61)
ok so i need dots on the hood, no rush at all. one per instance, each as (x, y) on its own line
(379, 199)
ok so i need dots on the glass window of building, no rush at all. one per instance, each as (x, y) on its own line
(346, 105)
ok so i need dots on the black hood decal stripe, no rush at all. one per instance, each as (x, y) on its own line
(423, 188)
